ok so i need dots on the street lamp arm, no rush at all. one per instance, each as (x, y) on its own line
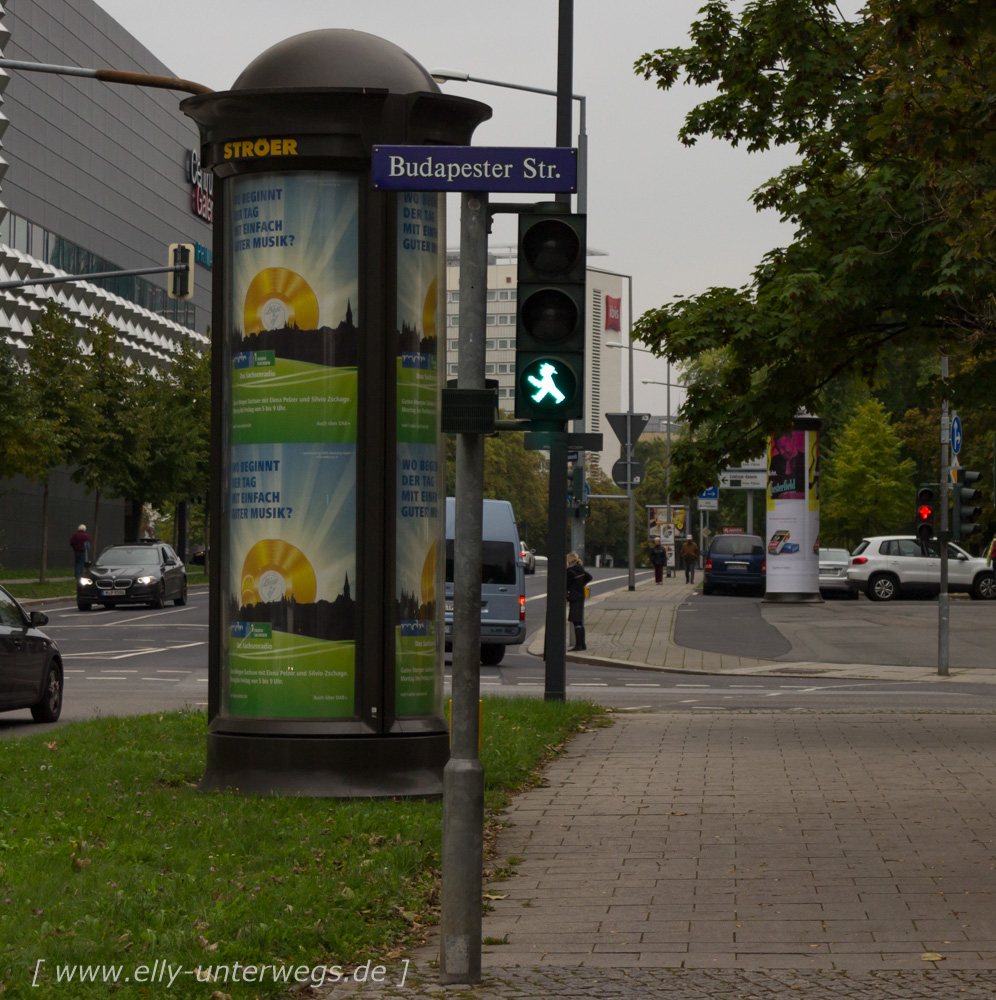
(442, 75)
(109, 76)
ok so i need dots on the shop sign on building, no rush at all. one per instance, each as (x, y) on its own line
(201, 187)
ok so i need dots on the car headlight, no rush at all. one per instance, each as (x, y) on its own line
(85, 581)
(145, 580)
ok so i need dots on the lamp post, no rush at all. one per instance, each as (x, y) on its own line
(630, 493)
(667, 479)
(458, 76)
(442, 75)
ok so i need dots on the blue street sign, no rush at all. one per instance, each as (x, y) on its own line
(475, 168)
(956, 433)
(710, 494)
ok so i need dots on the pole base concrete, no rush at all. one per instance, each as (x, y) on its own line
(335, 767)
(793, 597)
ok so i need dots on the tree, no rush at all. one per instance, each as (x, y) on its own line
(519, 476)
(56, 385)
(606, 532)
(891, 240)
(114, 439)
(865, 487)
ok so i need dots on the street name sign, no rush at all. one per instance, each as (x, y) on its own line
(510, 169)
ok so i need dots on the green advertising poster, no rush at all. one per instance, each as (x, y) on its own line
(421, 478)
(292, 344)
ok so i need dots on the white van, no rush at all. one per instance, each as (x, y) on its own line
(503, 581)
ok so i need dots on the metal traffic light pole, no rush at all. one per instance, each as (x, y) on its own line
(943, 605)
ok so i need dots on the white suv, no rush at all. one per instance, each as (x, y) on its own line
(889, 566)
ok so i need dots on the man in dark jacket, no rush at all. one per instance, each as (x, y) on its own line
(658, 558)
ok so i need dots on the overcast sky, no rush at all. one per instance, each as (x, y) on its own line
(678, 220)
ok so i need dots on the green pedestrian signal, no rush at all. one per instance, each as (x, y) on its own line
(548, 387)
(550, 327)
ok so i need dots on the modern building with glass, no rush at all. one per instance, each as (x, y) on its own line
(94, 177)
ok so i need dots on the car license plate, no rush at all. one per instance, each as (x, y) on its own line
(737, 567)
(112, 593)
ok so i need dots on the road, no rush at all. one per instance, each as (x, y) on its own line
(134, 660)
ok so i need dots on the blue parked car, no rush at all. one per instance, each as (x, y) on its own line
(737, 561)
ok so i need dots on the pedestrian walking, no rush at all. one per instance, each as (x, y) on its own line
(658, 557)
(689, 556)
(578, 579)
(80, 543)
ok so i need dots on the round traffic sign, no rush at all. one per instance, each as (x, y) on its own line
(956, 434)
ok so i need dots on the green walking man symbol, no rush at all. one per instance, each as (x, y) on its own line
(545, 384)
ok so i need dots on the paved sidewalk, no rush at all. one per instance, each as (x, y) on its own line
(636, 629)
(753, 855)
(749, 856)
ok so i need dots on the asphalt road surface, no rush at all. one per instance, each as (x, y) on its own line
(136, 660)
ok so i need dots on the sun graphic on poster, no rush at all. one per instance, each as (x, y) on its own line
(429, 311)
(429, 576)
(275, 570)
(278, 298)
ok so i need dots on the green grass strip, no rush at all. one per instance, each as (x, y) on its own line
(110, 856)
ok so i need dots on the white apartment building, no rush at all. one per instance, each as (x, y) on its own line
(603, 367)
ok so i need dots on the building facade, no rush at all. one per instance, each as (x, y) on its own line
(93, 177)
(603, 368)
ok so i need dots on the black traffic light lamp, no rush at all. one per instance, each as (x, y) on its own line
(926, 506)
(965, 510)
(550, 327)
(180, 284)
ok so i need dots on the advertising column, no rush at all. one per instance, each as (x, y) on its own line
(288, 630)
(421, 473)
(793, 514)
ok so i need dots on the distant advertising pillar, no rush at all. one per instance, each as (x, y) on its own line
(326, 659)
(793, 513)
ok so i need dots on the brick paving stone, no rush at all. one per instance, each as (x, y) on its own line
(754, 856)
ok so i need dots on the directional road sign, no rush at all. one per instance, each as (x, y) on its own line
(709, 499)
(956, 433)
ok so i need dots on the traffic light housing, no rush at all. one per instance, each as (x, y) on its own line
(926, 507)
(181, 283)
(965, 510)
(550, 323)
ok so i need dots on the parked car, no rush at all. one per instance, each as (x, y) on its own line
(736, 561)
(31, 674)
(146, 572)
(833, 573)
(886, 567)
(528, 559)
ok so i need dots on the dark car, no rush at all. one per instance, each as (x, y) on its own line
(147, 572)
(30, 665)
(737, 561)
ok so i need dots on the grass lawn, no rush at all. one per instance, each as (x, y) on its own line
(110, 857)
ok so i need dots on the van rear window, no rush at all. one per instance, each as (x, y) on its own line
(497, 562)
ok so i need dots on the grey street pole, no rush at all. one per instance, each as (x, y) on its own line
(943, 604)
(463, 776)
(630, 492)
